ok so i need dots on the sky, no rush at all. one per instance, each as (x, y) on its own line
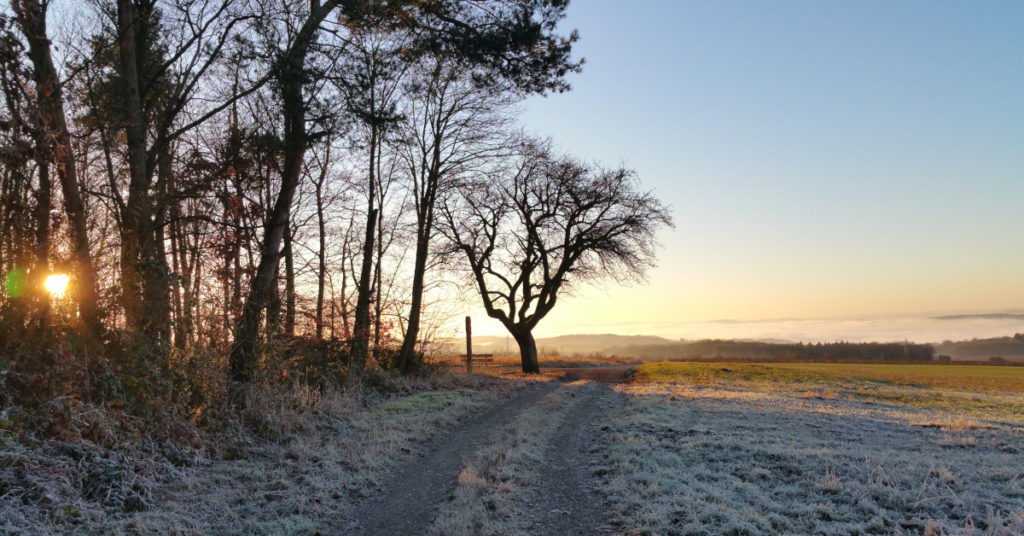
(823, 160)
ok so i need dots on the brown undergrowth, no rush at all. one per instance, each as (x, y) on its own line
(161, 452)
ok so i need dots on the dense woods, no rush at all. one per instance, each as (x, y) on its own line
(243, 191)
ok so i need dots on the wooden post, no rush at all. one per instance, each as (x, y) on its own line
(469, 346)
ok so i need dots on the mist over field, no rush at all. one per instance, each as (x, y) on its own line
(920, 329)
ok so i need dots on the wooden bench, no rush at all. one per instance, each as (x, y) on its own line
(481, 358)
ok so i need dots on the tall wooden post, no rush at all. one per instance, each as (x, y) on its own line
(469, 346)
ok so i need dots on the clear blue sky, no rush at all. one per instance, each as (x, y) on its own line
(823, 159)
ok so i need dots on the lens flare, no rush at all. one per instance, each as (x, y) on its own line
(57, 284)
(15, 283)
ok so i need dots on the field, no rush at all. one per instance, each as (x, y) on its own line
(726, 448)
(668, 448)
(964, 377)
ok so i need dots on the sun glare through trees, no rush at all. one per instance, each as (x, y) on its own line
(511, 267)
(56, 284)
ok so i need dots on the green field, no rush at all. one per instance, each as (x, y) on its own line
(979, 390)
(967, 377)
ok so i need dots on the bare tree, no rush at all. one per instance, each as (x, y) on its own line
(159, 74)
(32, 21)
(452, 126)
(371, 85)
(544, 224)
(501, 40)
(291, 78)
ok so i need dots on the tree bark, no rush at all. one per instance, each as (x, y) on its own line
(364, 298)
(40, 261)
(424, 228)
(321, 274)
(180, 269)
(527, 350)
(407, 356)
(378, 285)
(289, 284)
(138, 251)
(157, 288)
(32, 19)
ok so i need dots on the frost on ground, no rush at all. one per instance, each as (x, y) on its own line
(292, 463)
(494, 492)
(682, 458)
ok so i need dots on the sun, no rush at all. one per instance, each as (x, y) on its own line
(56, 284)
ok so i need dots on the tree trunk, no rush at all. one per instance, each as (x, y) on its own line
(138, 251)
(424, 228)
(321, 274)
(527, 350)
(158, 274)
(364, 297)
(181, 271)
(378, 284)
(289, 284)
(51, 104)
(407, 356)
(242, 359)
(40, 261)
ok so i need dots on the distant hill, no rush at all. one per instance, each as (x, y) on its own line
(566, 345)
(984, 316)
(1008, 348)
(646, 347)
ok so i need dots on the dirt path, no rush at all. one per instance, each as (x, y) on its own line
(564, 504)
(566, 500)
(408, 501)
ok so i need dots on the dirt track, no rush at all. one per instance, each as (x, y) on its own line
(566, 499)
(562, 504)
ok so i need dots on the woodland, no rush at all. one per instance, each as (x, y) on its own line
(203, 195)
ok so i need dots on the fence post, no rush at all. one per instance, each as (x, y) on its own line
(469, 346)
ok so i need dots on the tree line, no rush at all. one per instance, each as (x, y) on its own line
(217, 176)
(715, 349)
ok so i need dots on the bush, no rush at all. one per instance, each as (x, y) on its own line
(309, 360)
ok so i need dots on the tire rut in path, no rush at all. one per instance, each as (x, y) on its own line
(566, 502)
(411, 497)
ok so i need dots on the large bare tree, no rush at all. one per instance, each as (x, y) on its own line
(542, 224)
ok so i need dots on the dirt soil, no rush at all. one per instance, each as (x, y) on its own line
(567, 501)
(564, 504)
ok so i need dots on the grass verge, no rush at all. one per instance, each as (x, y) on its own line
(292, 462)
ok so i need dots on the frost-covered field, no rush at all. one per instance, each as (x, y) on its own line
(785, 454)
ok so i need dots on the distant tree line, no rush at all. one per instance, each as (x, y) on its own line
(714, 349)
(984, 349)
